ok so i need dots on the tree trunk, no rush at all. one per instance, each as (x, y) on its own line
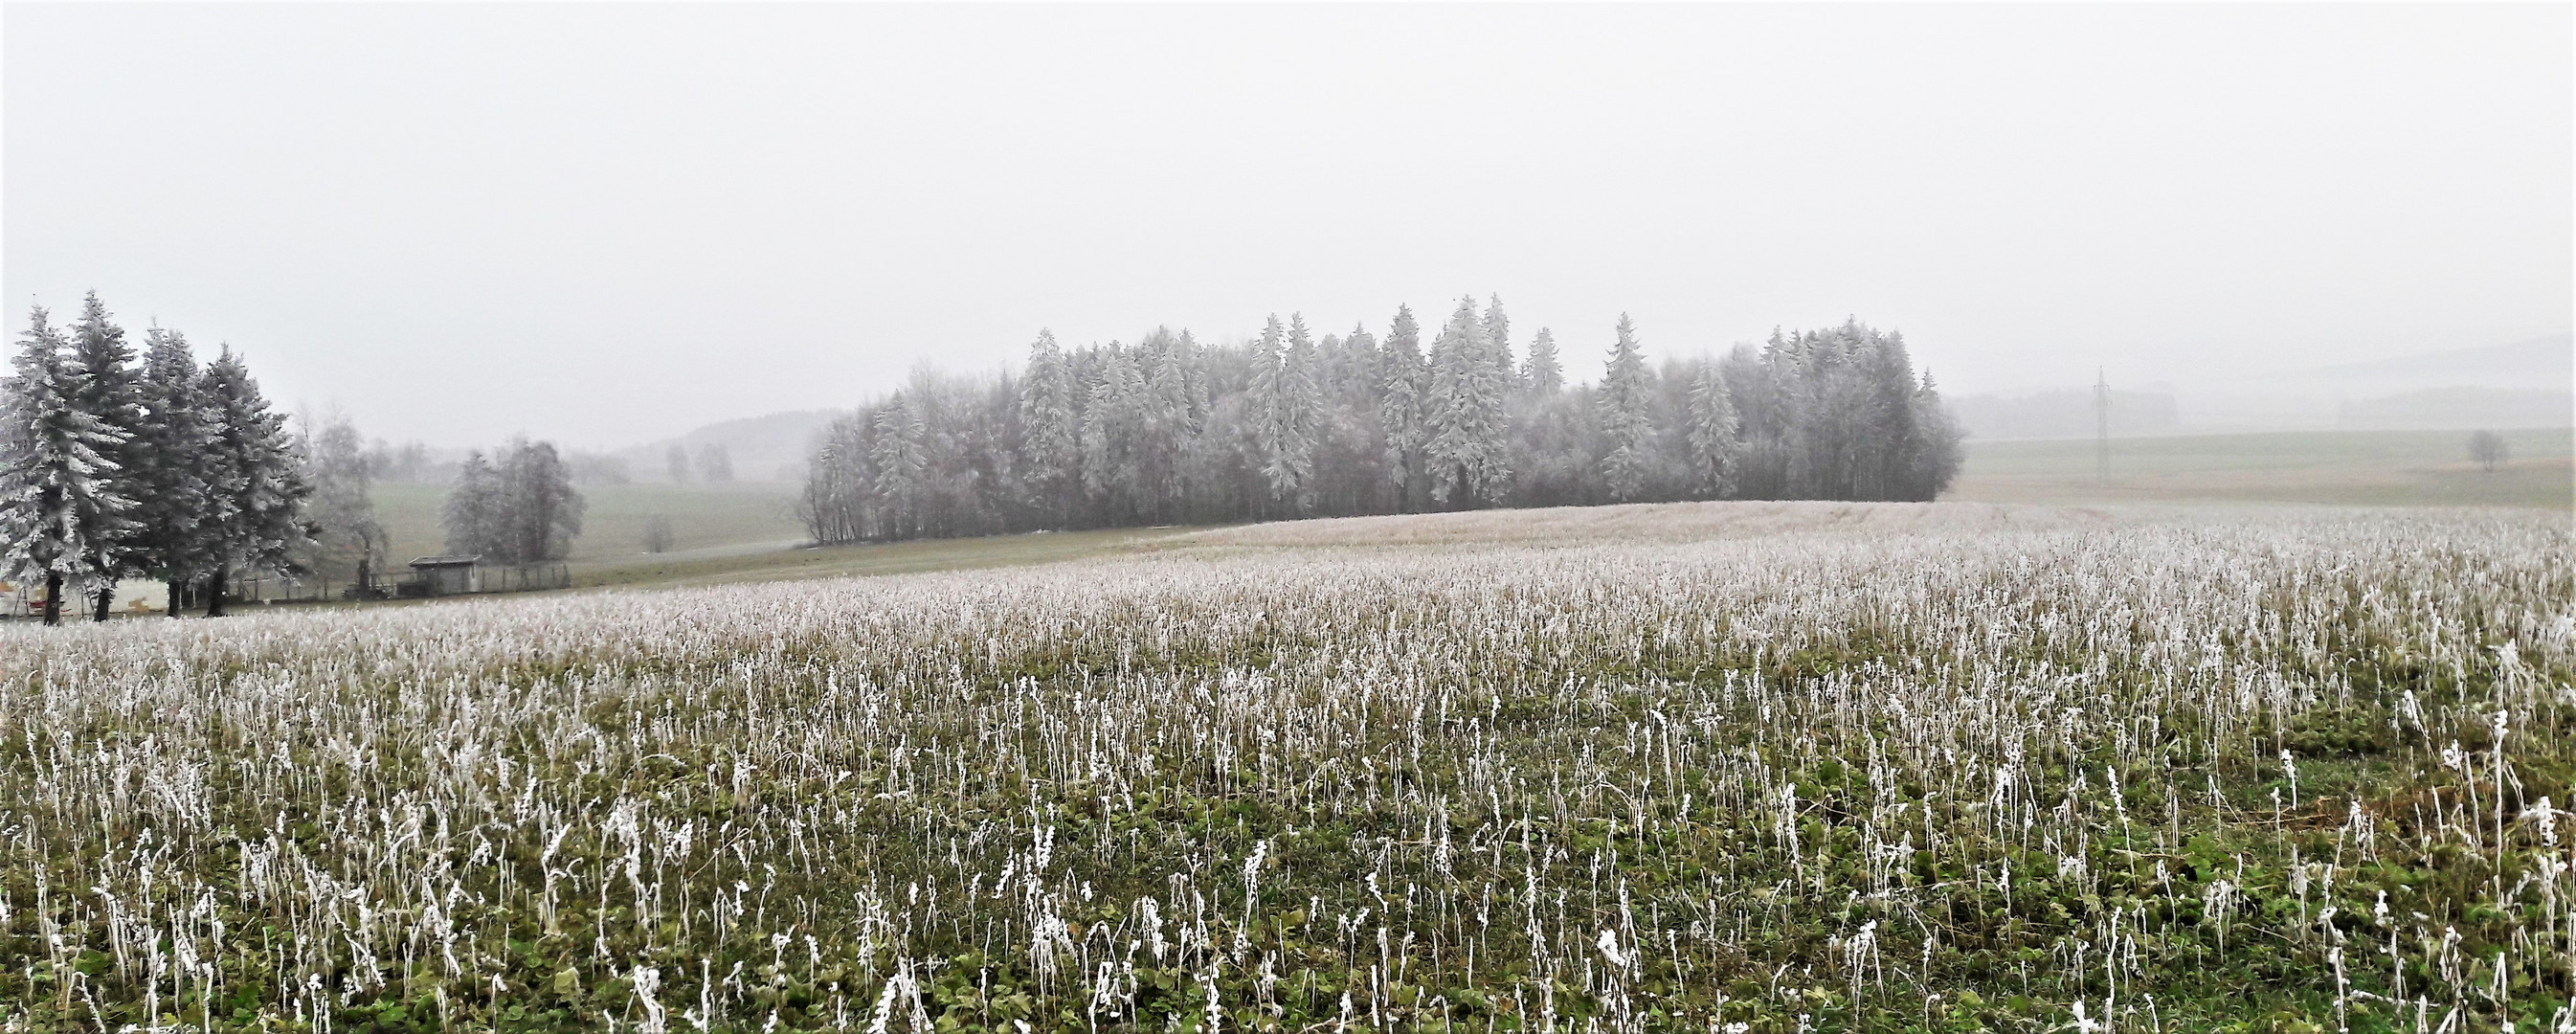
(106, 596)
(178, 593)
(215, 594)
(53, 598)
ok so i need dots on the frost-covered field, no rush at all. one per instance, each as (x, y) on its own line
(1640, 768)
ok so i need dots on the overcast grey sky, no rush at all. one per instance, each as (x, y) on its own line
(611, 223)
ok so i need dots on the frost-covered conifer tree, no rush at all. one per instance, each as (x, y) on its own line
(1197, 454)
(1934, 455)
(1466, 415)
(1192, 359)
(171, 508)
(258, 491)
(1350, 451)
(56, 500)
(1355, 366)
(1050, 429)
(471, 515)
(1283, 403)
(1301, 404)
(106, 389)
(901, 457)
(1885, 412)
(1498, 340)
(1627, 421)
(1404, 396)
(1712, 431)
(1108, 424)
(1541, 374)
(1163, 424)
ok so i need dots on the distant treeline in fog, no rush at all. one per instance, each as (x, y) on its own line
(1168, 430)
(417, 463)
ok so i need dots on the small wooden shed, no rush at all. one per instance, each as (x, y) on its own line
(445, 575)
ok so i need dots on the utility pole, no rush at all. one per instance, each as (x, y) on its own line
(2101, 427)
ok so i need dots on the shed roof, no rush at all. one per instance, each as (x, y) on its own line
(446, 561)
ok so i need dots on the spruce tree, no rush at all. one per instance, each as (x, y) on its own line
(1498, 340)
(1108, 418)
(56, 501)
(107, 390)
(1212, 451)
(1466, 417)
(1887, 415)
(1404, 397)
(1191, 358)
(1712, 431)
(901, 460)
(1050, 430)
(1542, 374)
(1356, 366)
(1350, 451)
(472, 515)
(1627, 423)
(1302, 416)
(171, 488)
(1283, 402)
(259, 491)
(1163, 426)
(1261, 398)
(1934, 456)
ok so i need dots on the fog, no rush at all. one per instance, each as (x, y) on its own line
(610, 224)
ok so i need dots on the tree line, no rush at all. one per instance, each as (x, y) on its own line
(1169, 430)
(714, 463)
(118, 465)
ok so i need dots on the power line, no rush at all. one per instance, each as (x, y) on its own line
(2101, 427)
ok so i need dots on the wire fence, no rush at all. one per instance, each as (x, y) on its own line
(461, 580)
(26, 600)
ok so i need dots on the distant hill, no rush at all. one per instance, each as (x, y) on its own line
(2517, 384)
(764, 448)
(2535, 364)
(2461, 409)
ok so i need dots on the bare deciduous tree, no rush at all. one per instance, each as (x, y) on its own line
(335, 462)
(715, 463)
(2487, 448)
